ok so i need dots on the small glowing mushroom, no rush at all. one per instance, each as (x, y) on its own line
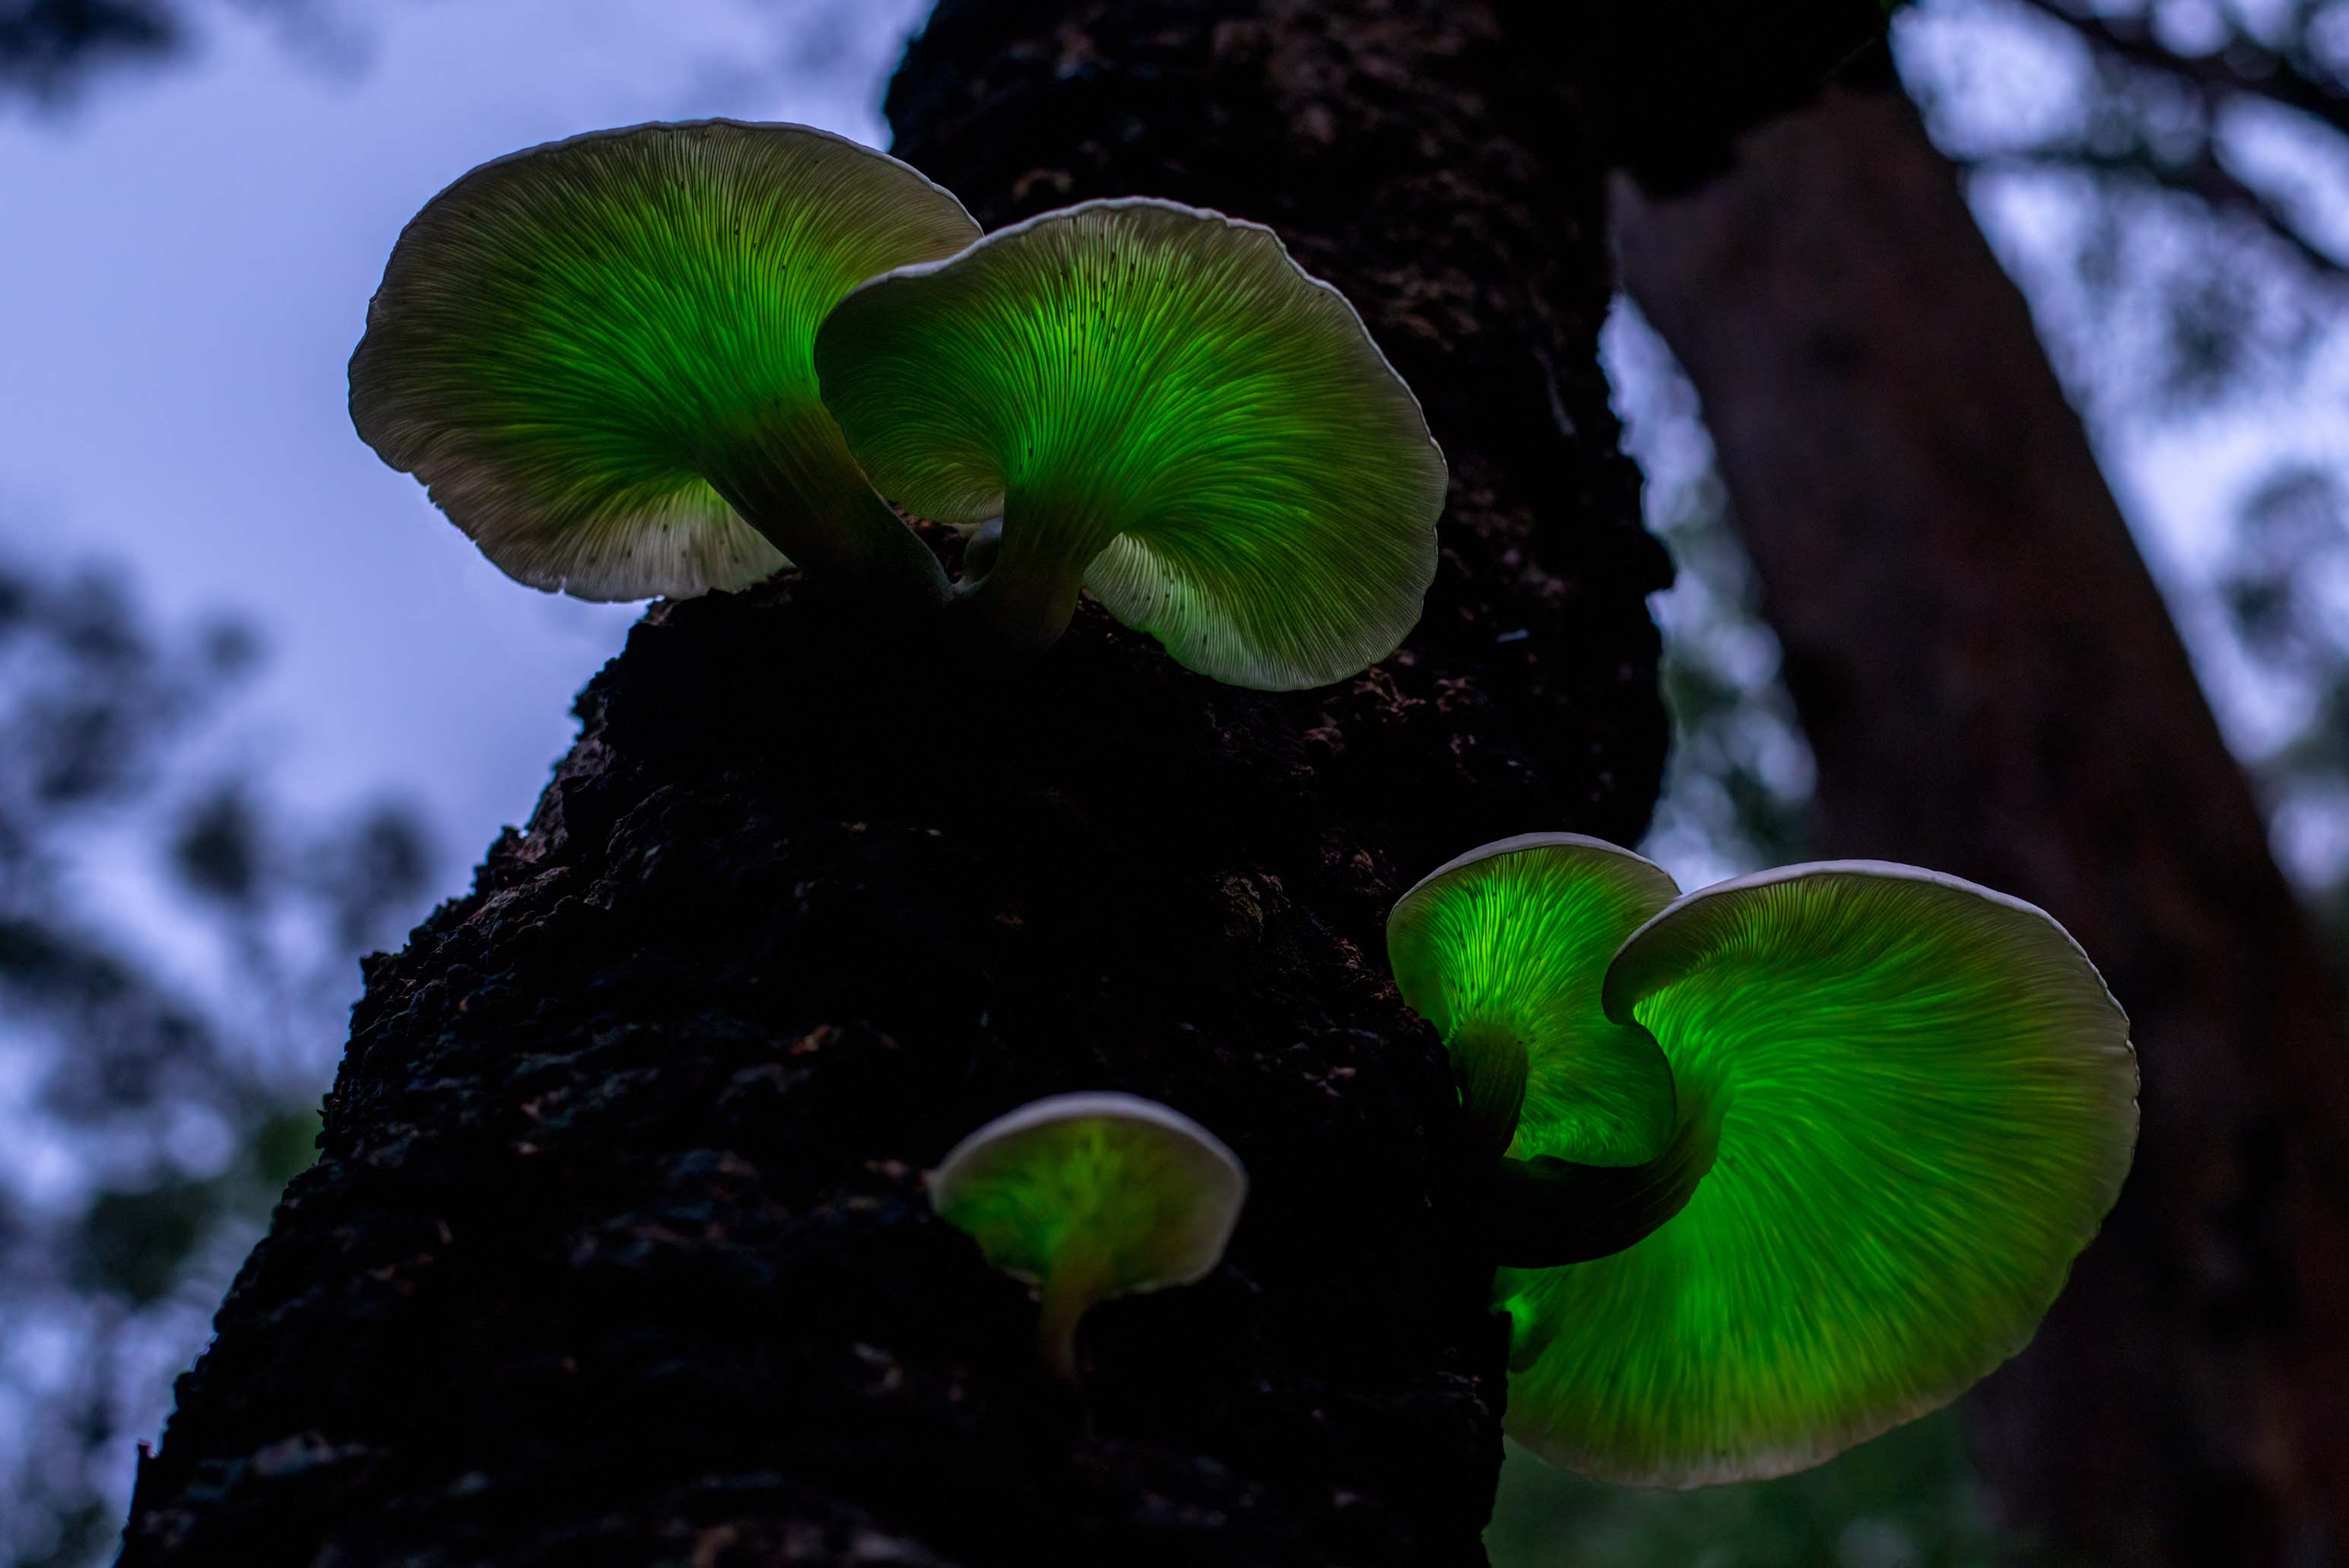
(596, 355)
(1922, 1103)
(1162, 408)
(1089, 1196)
(1502, 951)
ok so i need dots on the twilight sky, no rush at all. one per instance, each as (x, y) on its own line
(185, 262)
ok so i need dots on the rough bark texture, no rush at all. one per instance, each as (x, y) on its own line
(618, 1252)
(1994, 689)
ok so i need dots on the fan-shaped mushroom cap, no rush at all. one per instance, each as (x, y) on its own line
(1158, 403)
(595, 354)
(1925, 1102)
(1089, 1196)
(1502, 951)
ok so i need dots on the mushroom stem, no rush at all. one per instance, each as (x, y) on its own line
(1063, 1297)
(1490, 1064)
(1016, 593)
(796, 484)
(1549, 1211)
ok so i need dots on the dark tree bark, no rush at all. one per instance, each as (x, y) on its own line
(618, 1250)
(1993, 687)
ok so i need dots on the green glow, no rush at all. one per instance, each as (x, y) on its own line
(1502, 951)
(1926, 1102)
(1158, 404)
(1088, 1196)
(596, 355)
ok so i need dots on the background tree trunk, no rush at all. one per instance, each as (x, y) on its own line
(618, 1250)
(1993, 687)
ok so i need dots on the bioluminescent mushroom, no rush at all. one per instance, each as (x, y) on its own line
(1502, 951)
(1924, 1102)
(1089, 1196)
(595, 354)
(1163, 409)
(1903, 1105)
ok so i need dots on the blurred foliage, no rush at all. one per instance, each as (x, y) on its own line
(2284, 579)
(1737, 787)
(53, 51)
(47, 47)
(2185, 98)
(1908, 1499)
(2180, 169)
(174, 954)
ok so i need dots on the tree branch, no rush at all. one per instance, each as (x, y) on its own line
(2202, 176)
(2270, 76)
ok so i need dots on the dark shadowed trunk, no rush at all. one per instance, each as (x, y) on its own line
(1993, 687)
(617, 1251)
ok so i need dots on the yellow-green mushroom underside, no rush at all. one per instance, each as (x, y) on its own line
(1090, 1196)
(1903, 1105)
(1161, 408)
(595, 354)
(1503, 950)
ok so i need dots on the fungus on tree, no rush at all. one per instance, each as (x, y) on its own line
(1502, 951)
(1089, 1196)
(1903, 1104)
(1163, 409)
(595, 354)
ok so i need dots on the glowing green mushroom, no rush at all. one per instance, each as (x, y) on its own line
(1162, 408)
(1089, 1196)
(596, 355)
(1923, 1103)
(1502, 951)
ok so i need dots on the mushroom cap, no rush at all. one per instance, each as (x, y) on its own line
(1926, 1104)
(1126, 1192)
(1158, 396)
(572, 341)
(1514, 937)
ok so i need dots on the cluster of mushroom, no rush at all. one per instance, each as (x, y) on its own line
(1775, 1165)
(673, 358)
(1780, 1163)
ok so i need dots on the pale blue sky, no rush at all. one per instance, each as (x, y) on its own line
(185, 262)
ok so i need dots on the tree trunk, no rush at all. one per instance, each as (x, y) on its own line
(618, 1250)
(1992, 688)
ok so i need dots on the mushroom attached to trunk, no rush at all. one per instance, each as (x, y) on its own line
(1503, 950)
(1089, 1196)
(1924, 1101)
(596, 355)
(1161, 407)
(1902, 1104)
